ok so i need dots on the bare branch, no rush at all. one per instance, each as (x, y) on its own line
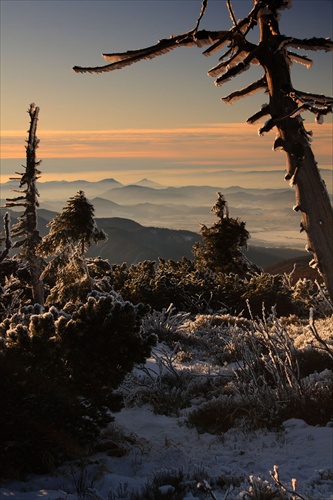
(315, 98)
(219, 44)
(314, 43)
(202, 12)
(231, 12)
(306, 61)
(229, 63)
(246, 91)
(235, 70)
(230, 35)
(233, 18)
(317, 104)
(265, 110)
(12, 204)
(268, 126)
(242, 27)
(121, 60)
(16, 198)
(239, 68)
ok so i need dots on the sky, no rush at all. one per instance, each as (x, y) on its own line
(162, 119)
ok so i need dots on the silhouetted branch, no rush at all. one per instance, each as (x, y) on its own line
(246, 91)
(202, 12)
(14, 204)
(242, 28)
(251, 58)
(232, 17)
(121, 60)
(229, 63)
(306, 61)
(268, 126)
(219, 43)
(317, 98)
(265, 110)
(310, 43)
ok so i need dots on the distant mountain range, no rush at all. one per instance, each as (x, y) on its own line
(267, 212)
(130, 242)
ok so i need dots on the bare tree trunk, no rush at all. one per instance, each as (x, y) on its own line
(26, 227)
(272, 54)
(312, 198)
(33, 237)
(8, 241)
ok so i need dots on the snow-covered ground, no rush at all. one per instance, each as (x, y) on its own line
(150, 445)
(159, 442)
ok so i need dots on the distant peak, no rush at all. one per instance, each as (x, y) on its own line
(147, 183)
(111, 179)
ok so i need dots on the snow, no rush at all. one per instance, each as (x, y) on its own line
(240, 68)
(245, 92)
(153, 443)
(300, 451)
(301, 59)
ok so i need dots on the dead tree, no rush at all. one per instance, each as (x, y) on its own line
(274, 54)
(7, 238)
(26, 229)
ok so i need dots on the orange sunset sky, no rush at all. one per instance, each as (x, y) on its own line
(161, 119)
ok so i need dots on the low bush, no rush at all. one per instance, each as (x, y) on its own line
(273, 382)
(311, 360)
(193, 289)
(58, 375)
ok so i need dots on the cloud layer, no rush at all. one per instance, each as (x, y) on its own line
(230, 143)
(196, 152)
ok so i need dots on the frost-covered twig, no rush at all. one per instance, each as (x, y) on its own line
(323, 296)
(316, 335)
(202, 12)
(275, 476)
(165, 359)
(205, 486)
(246, 91)
(268, 349)
(164, 322)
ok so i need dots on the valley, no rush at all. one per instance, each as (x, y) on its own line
(146, 220)
(267, 212)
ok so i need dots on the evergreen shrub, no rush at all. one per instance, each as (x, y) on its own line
(58, 374)
(196, 290)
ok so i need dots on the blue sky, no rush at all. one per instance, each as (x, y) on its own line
(41, 41)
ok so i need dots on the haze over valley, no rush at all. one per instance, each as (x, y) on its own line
(147, 220)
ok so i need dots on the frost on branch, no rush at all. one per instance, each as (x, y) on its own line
(251, 89)
(284, 108)
(226, 65)
(310, 43)
(25, 231)
(300, 59)
(265, 111)
(121, 60)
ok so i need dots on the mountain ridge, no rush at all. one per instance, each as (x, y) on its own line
(268, 213)
(131, 242)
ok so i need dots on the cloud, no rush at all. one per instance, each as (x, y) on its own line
(177, 155)
(232, 143)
